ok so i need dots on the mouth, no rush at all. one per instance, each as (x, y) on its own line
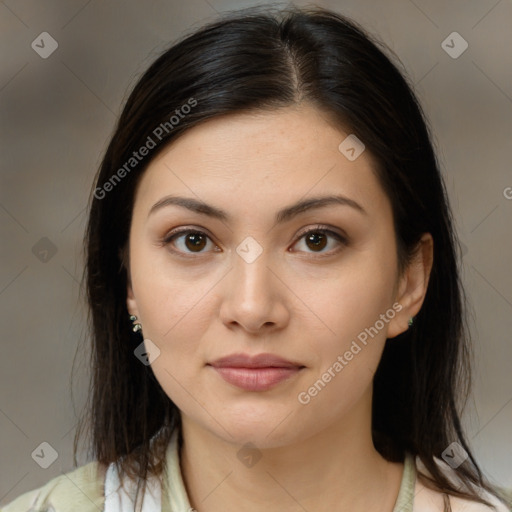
(255, 373)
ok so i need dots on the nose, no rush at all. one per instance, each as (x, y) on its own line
(254, 296)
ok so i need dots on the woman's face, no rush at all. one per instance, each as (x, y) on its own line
(251, 283)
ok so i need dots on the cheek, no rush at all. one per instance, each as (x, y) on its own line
(349, 352)
(351, 305)
(171, 300)
(175, 309)
(174, 318)
(352, 298)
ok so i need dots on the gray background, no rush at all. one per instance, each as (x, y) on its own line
(57, 114)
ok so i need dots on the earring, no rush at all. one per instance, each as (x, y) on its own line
(411, 321)
(136, 326)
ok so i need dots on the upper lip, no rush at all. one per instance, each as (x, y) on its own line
(257, 361)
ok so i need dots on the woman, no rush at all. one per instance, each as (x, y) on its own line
(278, 321)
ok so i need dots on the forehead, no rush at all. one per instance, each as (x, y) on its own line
(260, 160)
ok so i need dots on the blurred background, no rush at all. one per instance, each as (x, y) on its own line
(66, 67)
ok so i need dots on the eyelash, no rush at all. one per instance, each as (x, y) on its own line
(317, 229)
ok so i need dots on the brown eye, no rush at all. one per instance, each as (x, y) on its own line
(317, 239)
(195, 241)
(188, 241)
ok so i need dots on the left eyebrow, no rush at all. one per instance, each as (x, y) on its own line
(281, 216)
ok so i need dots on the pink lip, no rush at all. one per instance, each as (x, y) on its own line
(255, 373)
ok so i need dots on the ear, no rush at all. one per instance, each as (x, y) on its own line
(413, 286)
(131, 303)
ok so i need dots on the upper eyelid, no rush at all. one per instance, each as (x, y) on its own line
(322, 227)
(184, 231)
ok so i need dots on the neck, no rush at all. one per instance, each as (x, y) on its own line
(336, 468)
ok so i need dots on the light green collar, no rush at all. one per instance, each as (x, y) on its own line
(405, 498)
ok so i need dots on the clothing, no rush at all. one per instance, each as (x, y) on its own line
(84, 490)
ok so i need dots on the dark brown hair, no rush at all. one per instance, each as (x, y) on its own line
(266, 59)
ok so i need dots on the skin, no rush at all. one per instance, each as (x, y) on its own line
(302, 304)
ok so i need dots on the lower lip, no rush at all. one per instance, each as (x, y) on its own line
(256, 379)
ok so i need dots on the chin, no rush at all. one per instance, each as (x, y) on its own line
(263, 428)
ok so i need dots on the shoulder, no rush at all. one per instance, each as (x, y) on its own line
(80, 490)
(426, 499)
